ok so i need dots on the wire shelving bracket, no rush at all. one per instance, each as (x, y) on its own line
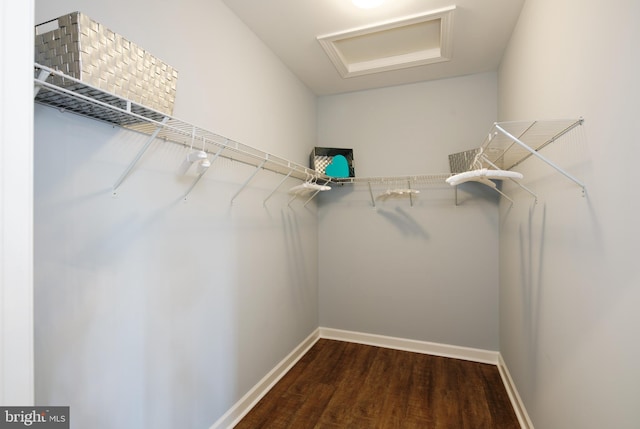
(138, 156)
(284, 179)
(199, 176)
(508, 144)
(327, 181)
(244, 185)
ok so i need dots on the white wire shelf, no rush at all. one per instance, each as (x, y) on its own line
(506, 145)
(58, 90)
(510, 143)
(397, 186)
(418, 179)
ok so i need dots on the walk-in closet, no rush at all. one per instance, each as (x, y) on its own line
(273, 198)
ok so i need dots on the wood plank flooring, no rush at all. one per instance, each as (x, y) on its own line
(338, 384)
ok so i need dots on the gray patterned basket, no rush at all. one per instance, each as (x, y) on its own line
(321, 157)
(86, 50)
(462, 161)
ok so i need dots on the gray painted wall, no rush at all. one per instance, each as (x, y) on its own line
(427, 272)
(152, 311)
(127, 319)
(568, 265)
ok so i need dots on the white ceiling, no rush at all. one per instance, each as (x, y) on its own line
(481, 29)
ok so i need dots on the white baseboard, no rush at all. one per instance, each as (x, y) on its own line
(514, 396)
(436, 349)
(248, 401)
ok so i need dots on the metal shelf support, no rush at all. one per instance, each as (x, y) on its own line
(42, 76)
(315, 193)
(284, 179)
(541, 157)
(373, 200)
(485, 159)
(199, 176)
(410, 193)
(141, 152)
(244, 185)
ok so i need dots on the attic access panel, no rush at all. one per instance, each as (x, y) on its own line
(407, 42)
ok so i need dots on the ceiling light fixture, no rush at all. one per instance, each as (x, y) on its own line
(367, 4)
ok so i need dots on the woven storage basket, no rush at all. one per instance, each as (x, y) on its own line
(86, 50)
(462, 161)
(321, 157)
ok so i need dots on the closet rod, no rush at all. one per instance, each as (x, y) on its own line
(430, 179)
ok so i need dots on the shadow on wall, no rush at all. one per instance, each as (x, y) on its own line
(471, 191)
(404, 222)
(532, 261)
(295, 248)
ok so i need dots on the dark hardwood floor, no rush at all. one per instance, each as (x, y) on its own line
(345, 385)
